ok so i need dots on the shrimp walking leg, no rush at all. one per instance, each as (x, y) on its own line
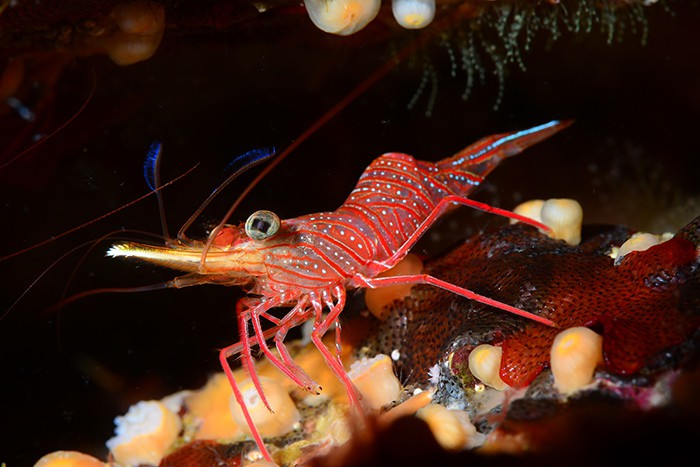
(335, 310)
(223, 360)
(466, 293)
(332, 318)
(286, 365)
(300, 377)
(440, 208)
(246, 354)
(332, 360)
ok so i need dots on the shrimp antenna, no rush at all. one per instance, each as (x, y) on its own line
(357, 91)
(151, 166)
(239, 165)
(99, 218)
(151, 172)
(252, 156)
(60, 128)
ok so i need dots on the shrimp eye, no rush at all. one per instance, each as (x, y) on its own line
(262, 224)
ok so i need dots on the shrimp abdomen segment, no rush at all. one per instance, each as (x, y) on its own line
(478, 159)
(397, 193)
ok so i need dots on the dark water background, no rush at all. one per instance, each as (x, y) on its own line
(631, 158)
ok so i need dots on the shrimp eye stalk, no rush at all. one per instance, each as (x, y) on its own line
(262, 224)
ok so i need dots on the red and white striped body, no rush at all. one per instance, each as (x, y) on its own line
(393, 197)
(310, 261)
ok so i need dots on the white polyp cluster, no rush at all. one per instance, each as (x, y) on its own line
(144, 434)
(452, 428)
(639, 241)
(485, 365)
(413, 14)
(377, 299)
(342, 17)
(563, 216)
(279, 423)
(376, 381)
(141, 25)
(575, 354)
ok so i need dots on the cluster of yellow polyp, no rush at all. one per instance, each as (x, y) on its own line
(150, 430)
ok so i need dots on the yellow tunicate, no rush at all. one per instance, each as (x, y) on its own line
(485, 365)
(312, 362)
(451, 428)
(269, 424)
(376, 381)
(144, 434)
(210, 406)
(574, 356)
(69, 459)
(140, 17)
(141, 25)
(342, 17)
(407, 407)
(127, 49)
(377, 299)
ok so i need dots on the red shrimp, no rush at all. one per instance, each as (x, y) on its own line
(309, 262)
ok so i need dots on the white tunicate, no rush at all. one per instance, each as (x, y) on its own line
(564, 217)
(342, 17)
(638, 242)
(413, 14)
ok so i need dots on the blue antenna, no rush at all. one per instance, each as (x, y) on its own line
(151, 165)
(151, 172)
(239, 165)
(249, 159)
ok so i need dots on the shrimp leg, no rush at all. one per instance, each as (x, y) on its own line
(375, 282)
(288, 367)
(437, 211)
(332, 318)
(320, 326)
(302, 379)
(246, 355)
(243, 348)
(247, 309)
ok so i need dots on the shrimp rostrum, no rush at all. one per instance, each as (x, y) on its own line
(308, 263)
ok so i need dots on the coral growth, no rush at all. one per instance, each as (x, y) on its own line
(644, 305)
